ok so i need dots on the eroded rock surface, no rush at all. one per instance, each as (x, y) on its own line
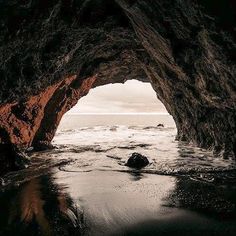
(53, 52)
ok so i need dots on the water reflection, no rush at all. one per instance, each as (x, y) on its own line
(115, 203)
(136, 175)
(39, 207)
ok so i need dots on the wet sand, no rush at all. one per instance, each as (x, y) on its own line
(116, 203)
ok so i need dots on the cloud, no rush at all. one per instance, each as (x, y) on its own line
(131, 97)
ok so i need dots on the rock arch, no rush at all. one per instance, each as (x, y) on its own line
(53, 52)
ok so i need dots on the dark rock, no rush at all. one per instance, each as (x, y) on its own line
(12, 158)
(43, 146)
(137, 160)
(21, 160)
(160, 125)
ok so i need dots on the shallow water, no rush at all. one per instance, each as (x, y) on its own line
(107, 146)
(83, 187)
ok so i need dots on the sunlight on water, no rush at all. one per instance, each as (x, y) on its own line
(99, 143)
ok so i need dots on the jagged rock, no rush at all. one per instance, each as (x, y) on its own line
(160, 125)
(137, 160)
(53, 52)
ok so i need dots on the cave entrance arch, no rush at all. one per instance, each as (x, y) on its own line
(134, 101)
(121, 112)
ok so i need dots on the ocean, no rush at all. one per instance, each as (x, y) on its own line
(120, 135)
(83, 187)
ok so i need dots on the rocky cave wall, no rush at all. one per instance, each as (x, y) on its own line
(53, 52)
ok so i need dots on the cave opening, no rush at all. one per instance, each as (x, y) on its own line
(71, 112)
(129, 104)
(94, 44)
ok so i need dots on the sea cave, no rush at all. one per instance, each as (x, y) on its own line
(54, 53)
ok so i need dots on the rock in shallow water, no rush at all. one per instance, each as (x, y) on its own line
(21, 160)
(43, 146)
(137, 160)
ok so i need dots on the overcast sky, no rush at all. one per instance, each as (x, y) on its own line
(131, 97)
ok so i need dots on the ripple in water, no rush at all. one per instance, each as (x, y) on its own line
(108, 148)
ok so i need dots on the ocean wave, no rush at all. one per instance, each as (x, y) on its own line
(107, 148)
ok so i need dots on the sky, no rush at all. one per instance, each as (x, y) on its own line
(132, 97)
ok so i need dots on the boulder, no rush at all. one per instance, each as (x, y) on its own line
(137, 160)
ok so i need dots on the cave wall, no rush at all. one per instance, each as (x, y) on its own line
(37, 118)
(191, 67)
(53, 52)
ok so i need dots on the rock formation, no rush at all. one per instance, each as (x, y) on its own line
(137, 160)
(53, 52)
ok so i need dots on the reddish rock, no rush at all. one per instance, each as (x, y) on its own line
(36, 119)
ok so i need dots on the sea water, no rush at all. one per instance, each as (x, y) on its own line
(82, 187)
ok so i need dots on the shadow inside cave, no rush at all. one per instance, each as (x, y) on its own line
(39, 207)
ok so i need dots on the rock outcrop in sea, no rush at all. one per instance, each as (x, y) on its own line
(137, 160)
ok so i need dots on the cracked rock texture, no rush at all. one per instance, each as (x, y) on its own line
(53, 52)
